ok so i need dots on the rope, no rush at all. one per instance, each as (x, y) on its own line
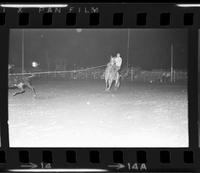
(54, 72)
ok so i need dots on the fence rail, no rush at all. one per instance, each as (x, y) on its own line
(97, 72)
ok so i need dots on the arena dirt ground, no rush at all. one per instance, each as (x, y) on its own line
(80, 113)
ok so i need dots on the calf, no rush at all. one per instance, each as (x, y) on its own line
(20, 82)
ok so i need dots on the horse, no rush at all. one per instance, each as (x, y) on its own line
(111, 74)
(20, 82)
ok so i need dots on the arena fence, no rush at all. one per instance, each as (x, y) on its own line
(97, 72)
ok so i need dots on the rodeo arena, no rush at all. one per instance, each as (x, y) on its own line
(113, 104)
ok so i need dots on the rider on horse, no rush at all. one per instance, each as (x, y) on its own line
(111, 72)
(116, 61)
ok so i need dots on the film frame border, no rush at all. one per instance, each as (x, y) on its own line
(111, 15)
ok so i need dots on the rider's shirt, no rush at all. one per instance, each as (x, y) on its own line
(118, 61)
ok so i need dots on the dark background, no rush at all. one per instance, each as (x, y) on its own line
(149, 48)
(199, 53)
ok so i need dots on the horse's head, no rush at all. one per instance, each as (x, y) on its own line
(112, 60)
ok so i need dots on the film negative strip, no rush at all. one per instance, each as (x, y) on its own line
(93, 87)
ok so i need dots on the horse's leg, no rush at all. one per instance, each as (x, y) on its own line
(107, 85)
(32, 88)
(117, 82)
(110, 84)
(106, 81)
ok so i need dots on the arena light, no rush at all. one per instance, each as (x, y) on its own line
(58, 170)
(188, 5)
(33, 5)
